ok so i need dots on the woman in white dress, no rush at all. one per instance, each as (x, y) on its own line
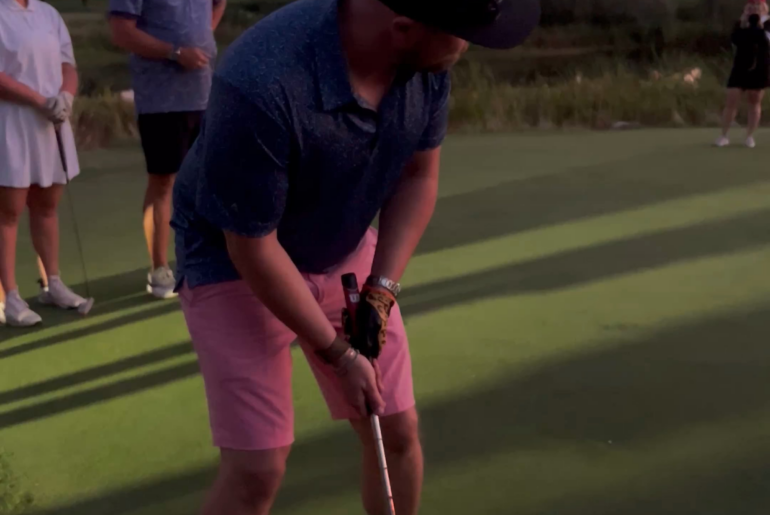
(38, 83)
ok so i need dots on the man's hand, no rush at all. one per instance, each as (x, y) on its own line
(362, 387)
(369, 336)
(360, 379)
(193, 59)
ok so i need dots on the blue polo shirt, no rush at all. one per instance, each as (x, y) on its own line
(164, 86)
(286, 145)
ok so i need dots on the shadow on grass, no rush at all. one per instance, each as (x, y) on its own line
(632, 392)
(95, 373)
(56, 339)
(585, 265)
(113, 294)
(97, 395)
(561, 270)
(546, 200)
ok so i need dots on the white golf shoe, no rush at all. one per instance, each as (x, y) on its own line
(722, 141)
(59, 295)
(17, 312)
(161, 283)
(750, 143)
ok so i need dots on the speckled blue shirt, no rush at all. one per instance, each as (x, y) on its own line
(164, 86)
(286, 145)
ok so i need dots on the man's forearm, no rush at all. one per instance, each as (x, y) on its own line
(14, 91)
(403, 221)
(218, 14)
(128, 37)
(273, 277)
(69, 79)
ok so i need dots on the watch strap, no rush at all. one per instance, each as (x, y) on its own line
(174, 54)
(383, 282)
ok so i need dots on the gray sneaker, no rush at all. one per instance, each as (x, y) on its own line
(161, 283)
(17, 312)
(59, 295)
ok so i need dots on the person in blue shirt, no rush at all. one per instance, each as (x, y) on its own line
(172, 50)
(322, 115)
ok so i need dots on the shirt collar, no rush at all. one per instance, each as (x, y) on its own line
(332, 77)
(14, 5)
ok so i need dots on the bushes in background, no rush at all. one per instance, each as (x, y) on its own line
(661, 99)
(98, 120)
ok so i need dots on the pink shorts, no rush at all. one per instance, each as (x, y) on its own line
(245, 358)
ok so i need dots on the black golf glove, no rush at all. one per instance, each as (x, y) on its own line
(371, 322)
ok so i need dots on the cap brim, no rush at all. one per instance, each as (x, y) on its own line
(517, 20)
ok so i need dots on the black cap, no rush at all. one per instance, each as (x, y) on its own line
(489, 23)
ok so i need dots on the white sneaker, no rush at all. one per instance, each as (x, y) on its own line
(722, 141)
(17, 312)
(750, 143)
(2, 313)
(161, 283)
(59, 295)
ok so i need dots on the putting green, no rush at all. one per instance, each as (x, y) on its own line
(589, 317)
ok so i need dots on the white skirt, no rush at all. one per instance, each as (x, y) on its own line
(29, 153)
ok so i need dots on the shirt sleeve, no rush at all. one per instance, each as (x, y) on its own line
(127, 8)
(247, 143)
(65, 42)
(438, 120)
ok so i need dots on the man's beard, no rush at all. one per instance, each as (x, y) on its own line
(414, 64)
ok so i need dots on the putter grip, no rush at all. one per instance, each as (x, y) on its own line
(349, 282)
(352, 298)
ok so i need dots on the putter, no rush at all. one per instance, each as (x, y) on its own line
(85, 307)
(352, 298)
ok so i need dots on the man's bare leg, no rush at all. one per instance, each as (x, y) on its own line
(400, 434)
(157, 217)
(247, 482)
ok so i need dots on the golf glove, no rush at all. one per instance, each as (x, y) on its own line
(68, 100)
(55, 109)
(369, 335)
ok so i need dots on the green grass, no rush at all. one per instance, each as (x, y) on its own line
(588, 316)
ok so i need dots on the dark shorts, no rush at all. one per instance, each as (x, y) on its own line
(749, 80)
(166, 139)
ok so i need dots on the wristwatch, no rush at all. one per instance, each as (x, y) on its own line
(175, 54)
(383, 282)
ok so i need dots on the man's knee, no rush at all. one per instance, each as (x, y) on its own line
(253, 477)
(401, 432)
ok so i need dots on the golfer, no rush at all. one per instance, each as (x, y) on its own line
(172, 46)
(321, 115)
(38, 83)
(751, 70)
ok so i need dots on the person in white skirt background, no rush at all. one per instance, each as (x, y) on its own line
(38, 83)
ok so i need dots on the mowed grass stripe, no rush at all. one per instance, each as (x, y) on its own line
(636, 223)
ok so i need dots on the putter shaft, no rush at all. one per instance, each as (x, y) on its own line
(384, 475)
(78, 242)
